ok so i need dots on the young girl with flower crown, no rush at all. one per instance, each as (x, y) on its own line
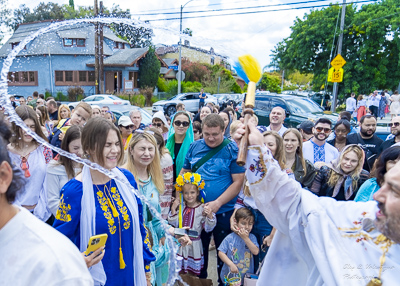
(187, 210)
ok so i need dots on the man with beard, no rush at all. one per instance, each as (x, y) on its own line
(320, 241)
(367, 139)
(276, 119)
(395, 128)
(316, 149)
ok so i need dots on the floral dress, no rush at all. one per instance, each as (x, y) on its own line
(192, 255)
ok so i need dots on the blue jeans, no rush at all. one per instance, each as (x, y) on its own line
(260, 229)
(221, 230)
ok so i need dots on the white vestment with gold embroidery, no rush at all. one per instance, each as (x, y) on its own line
(319, 241)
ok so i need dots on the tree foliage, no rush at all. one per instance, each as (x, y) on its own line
(149, 69)
(371, 46)
(137, 36)
(194, 71)
(270, 82)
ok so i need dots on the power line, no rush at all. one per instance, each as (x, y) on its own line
(253, 12)
(231, 9)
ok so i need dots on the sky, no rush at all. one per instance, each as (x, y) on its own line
(233, 35)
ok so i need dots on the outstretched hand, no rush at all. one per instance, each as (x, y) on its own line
(255, 136)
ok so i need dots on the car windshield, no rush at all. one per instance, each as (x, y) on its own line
(301, 105)
(89, 98)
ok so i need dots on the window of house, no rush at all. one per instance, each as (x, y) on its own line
(119, 45)
(212, 60)
(23, 78)
(69, 76)
(14, 45)
(80, 78)
(92, 77)
(70, 42)
(59, 76)
(83, 76)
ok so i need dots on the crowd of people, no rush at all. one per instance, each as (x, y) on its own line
(185, 166)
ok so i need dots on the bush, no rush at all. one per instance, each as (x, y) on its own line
(134, 97)
(188, 86)
(74, 92)
(60, 96)
(162, 85)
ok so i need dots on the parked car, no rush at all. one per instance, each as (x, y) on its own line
(225, 98)
(297, 108)
(322, 99)
(101, 100)
(191, 101)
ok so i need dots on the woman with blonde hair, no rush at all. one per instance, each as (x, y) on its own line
(343, 177)
(303, 170)
(274, 142)
(44, 119)
(63, 112)
(144, 163)
(167, 166)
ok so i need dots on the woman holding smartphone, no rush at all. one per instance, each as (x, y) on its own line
(93, 203)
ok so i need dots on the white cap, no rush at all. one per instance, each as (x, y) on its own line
(160, 115)
(125, 121)
(96, 107)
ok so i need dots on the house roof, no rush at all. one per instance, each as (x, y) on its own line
(127, 57)
(52, 42)
(170, 62)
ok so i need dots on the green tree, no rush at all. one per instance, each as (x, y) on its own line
(149, 69)
(270, 82)
(370, 46)
(4, 18)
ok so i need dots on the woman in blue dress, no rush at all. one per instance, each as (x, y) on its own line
(93, 203)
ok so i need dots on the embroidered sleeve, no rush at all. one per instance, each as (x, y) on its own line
(148, 256)
(255, 164)
(173, 219)
(210, 223)
(48, 154)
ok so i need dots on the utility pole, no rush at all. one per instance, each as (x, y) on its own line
(340, 43)
(101, 51)
(180, 56)
(283, 79)
(96, 48)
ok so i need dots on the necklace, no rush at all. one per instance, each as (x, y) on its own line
(381, 239)
(111, 204)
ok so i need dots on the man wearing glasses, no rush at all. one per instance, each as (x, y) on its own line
(367, 139)
(395, 129)
(317, 150)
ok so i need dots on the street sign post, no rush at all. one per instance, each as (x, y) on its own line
(337, 76)
(338, 62)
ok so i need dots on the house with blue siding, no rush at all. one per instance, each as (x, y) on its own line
(65, 58)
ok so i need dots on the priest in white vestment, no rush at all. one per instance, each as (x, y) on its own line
(321, 241)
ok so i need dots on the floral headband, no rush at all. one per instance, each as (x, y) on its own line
(189, 178)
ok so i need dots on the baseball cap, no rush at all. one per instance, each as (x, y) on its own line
(125, 121)
(306, 126)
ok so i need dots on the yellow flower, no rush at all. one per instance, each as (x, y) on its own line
(179, 180)
(197, 178)
(100, 194)
(187, 177)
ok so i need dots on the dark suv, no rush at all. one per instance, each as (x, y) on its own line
(297, 109)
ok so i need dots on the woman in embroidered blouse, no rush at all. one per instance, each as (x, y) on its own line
(32, 158)
(180, 136)
(343, 177)
(144, 163)
(93, 203)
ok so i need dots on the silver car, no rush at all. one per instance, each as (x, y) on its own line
(101, 100)
(190, 100)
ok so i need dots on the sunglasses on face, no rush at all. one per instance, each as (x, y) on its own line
(157, 124)
(129, 127)
(320, 129)
(196, 131)
(396, 124)
(183, 123)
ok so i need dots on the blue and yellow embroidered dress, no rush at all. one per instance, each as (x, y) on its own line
(68, 222)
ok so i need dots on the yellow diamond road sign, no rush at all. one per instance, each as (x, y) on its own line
(338, 62)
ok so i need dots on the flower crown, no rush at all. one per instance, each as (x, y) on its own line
(189, 178)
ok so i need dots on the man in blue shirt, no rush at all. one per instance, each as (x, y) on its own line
(202, 97)
(223, 179)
